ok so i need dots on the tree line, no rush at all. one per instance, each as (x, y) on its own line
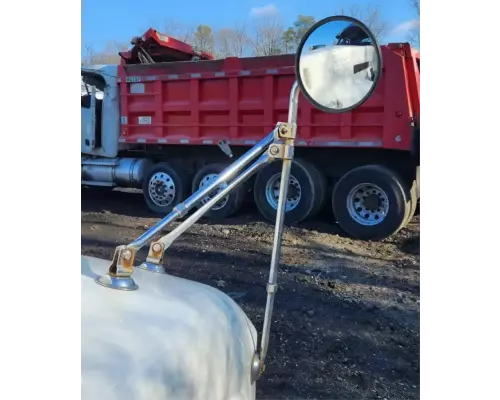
(266, 36)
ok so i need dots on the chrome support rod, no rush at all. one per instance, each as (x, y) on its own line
(170, 237)
(278, 230)
(293, 105)
(183, 208)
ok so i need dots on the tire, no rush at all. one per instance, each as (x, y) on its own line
(163, 188)
(321, 185)
(392, 200)
(310, 189)
(230, 204)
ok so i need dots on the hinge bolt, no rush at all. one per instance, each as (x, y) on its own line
(127, 255)
(156, 247)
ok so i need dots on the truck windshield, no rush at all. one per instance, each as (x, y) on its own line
(90, 82)
(347, 41)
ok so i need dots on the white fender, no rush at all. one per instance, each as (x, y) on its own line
(170, 339)
(328, 76)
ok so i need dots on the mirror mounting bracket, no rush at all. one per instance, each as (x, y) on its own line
(281, 151)
(153, 267)
(286, 130)
(155, 258)
(120, 272)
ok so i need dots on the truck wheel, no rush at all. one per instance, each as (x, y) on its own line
(229, 204)
(163, 188)
(371, 202)
(321, 187)
(306, 191)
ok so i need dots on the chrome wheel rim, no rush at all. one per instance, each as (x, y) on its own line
(207, 180)
(161, 189)
(367, 204)
(273, 191)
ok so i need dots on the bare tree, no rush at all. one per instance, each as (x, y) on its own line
(89, 54)
(182, 32)
(414, 35)
(302, 25)
(231, 42)
(268, 36)
(109, 55)
(204, 39)
(372, 17)
(294, 34)
(114, 47)
(289, 40)
(416, 6)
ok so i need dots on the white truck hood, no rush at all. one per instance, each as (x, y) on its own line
(170, 339)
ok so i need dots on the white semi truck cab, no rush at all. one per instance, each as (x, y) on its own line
(100, 133)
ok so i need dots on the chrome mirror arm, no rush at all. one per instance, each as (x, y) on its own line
(280, 144)
(120, 271)
(258, 364)
(154, 261)
(181, 209)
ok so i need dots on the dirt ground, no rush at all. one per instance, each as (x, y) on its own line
(346, 321)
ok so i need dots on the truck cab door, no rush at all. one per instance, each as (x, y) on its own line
(89, 121)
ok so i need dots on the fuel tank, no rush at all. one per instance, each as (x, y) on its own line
(171, 338)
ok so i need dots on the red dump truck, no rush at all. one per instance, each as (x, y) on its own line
(170, 118)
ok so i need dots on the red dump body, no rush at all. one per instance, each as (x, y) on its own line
(241, 99)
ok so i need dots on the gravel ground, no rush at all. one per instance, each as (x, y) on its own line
(346, 321)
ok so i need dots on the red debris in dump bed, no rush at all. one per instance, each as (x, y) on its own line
(162, 48)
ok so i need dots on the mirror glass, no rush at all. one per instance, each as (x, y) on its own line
(338, 64)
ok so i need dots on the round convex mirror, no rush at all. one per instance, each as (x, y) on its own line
(338, 64)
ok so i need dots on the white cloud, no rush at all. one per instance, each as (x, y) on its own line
(269, 9)
(406, 26)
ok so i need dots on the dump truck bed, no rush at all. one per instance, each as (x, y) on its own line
(241, 99)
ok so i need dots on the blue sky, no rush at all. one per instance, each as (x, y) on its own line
(108, 20)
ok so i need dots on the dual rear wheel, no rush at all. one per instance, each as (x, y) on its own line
(228, 205)
(164, 187)
(306, 193)
(371, 202)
